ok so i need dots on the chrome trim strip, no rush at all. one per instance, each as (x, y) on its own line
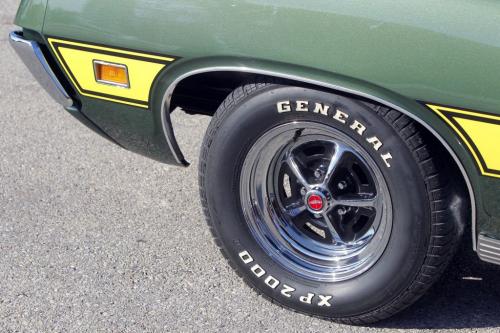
(170, 135)
(32, 56)
(489, 249)
(490, 246)
(489, 253)
(491, 260)
(168, 129)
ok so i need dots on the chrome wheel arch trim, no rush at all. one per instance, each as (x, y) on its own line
(179, 157)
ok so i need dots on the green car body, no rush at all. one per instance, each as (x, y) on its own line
(407, 55)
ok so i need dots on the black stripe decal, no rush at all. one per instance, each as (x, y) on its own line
(450, 115)
(111, 53)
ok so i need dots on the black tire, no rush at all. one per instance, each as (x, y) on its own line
(423, 234)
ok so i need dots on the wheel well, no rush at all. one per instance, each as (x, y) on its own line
(203, 93)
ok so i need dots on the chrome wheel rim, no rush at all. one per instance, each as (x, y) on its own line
(316, 202)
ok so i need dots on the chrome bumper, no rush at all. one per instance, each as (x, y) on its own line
(32, 56)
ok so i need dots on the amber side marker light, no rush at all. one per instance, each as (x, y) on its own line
(112, 74)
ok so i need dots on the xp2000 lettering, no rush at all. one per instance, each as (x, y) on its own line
(351, 145)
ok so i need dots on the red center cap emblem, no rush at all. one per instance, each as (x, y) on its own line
(315, 202)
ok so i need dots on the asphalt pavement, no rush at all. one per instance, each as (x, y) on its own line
(97, 239)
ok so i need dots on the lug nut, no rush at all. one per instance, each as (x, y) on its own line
(317, 173)
(342, 185)
(341, 211)
(303, 191)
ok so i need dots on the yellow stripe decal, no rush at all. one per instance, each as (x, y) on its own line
(479, 131)
(77, 59)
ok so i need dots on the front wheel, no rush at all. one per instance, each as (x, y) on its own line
(327, 205)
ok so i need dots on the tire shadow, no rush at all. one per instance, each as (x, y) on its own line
(467, 296)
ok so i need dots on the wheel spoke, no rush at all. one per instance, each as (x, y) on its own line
(334, 162)
(356, 201)
(294, 167)
(295, 209)
(333, 232)
(358, 225)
